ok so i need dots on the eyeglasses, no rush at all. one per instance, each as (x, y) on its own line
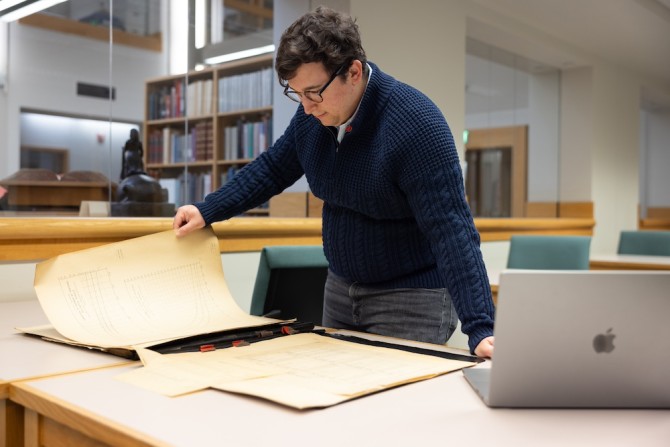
(312, 95)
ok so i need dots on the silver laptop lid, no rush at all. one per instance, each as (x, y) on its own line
(582, 339)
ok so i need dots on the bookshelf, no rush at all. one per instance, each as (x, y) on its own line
(202, 127)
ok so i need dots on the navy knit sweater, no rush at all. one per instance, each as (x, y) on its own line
(394, 210)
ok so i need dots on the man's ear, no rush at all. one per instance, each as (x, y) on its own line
(356, 70)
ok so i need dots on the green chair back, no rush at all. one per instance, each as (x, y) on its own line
(549, 252)
(645, 242)
(290, 282)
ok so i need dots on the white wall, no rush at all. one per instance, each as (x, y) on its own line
(17, 281)
(543, 137)
(4, 126)
(285, 13)
(4, 133)
(423, 46)
(656, 159)
(576, 135)
(614, 174)
(240, 271)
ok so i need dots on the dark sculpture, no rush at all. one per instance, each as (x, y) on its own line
(136, 185)
(132, 163)
(139, 194)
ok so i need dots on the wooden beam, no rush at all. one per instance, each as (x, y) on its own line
(253, 9)
(63, 25)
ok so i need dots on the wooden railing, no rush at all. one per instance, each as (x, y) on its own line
(36, 238)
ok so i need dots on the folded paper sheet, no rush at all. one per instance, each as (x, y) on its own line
(301, 370)
(140, 291)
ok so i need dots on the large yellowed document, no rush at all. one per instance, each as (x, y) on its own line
(300, 371)
(139, 292)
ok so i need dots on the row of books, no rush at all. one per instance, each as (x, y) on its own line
(167, 101)
(200, 98)
(193, 187)
(171, 145)
(238, 92)
(247, 139)
(187, 188)
(246, 91)
(177, 101)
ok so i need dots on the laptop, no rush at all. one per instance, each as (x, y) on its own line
(579, 339)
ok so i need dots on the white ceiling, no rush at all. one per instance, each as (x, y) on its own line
(634, 34)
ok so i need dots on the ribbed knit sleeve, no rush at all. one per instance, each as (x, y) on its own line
(432, 181)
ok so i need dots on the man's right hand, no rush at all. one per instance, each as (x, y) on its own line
(187, 219)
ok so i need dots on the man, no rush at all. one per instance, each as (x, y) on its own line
(403, 251)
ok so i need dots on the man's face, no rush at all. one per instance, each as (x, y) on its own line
(339, 98)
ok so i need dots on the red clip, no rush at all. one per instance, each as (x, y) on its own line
(288, 330)
(238, 343)
(207, 348)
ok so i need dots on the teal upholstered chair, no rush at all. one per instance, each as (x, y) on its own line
(290, 282)
(654, 243)
(549, 252)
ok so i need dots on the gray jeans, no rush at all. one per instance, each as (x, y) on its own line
(426, 315)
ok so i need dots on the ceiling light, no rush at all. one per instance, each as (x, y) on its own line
(239, 55)
(11, 10)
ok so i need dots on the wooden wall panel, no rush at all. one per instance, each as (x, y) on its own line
(541, 209)
(580, 210)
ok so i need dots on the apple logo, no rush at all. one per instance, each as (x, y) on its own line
(604, 342)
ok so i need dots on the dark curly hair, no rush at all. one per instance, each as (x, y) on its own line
(323, 35)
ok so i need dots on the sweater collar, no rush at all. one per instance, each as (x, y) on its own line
(375, 98)
(345, 127)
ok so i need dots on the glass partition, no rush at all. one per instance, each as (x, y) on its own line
(75, 93)
(99, 89)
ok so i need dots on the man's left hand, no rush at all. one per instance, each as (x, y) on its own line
(485, 348)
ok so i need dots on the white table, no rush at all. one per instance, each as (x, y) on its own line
(23, 357)
(440, 411)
